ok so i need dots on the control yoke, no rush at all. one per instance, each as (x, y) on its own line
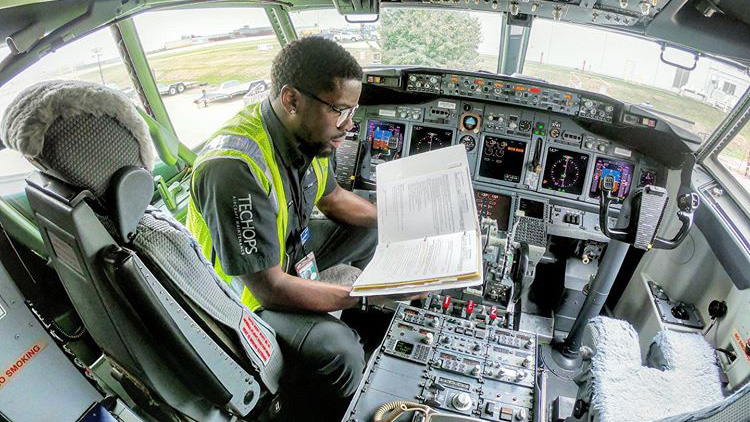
(643, 212)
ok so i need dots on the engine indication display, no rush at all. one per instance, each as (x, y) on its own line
(565, 171)
(425, 138)
(494, 206)
(502, 159)
(622, 171)
(386, 139)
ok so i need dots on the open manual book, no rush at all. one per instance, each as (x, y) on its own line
(428, 231)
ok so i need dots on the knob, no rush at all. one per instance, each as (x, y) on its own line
(500, 371)
(432, 322)
(521, 415)
(415, 116)
(520, 375)
(512, 125)
(601, 147)
(445, 340)
(403, 114)
(527, 361)
(588, 144)
(462, 401)
(428, 338)
(475, 370)
(477, 347)
(529, 343)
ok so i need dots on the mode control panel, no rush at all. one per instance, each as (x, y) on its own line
(464, 365)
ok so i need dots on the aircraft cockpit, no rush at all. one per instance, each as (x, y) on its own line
(608, 152)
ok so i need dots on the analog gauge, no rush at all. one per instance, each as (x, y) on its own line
(648, 177)
(565, 172)
(554, 132)
(470, 123)
(524, 126)
(468, 142)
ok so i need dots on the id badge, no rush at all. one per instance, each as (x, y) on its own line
(307, 268)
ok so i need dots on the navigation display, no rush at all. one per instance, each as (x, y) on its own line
(425, 138)
(502, 159)
(565, 171)
(494, 206)
(622, 171)
(386, 139)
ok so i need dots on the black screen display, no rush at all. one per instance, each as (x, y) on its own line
(494, 206)
(533, 209)
(565, 171)
(404, 347)
(425, 138)
(502, 159)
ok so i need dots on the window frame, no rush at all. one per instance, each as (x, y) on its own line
(708, 155)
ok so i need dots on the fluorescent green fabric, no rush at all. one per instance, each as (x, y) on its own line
(259, 156)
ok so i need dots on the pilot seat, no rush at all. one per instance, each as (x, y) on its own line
(179, 343)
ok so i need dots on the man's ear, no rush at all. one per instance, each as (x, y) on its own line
(290, 98)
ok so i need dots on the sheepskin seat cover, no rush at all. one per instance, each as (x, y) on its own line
(685, 377)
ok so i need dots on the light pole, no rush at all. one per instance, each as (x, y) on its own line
(97, 52)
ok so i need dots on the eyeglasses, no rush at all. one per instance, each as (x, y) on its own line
(344, 113)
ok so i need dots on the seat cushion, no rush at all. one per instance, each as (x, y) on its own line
(624, 390)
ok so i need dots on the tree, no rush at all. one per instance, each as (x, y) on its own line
(432, 38)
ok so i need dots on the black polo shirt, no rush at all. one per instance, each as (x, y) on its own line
(239, 213)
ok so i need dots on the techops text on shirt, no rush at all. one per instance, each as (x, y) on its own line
(243, 218)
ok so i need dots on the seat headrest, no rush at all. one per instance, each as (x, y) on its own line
(79, 132)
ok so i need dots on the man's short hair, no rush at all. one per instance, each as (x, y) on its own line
(313, 64)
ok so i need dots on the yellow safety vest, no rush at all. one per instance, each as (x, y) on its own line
(245, 138)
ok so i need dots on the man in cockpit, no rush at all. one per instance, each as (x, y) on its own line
(253, 191)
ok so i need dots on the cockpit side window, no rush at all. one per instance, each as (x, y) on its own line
(93, 58)
(629, 69)
(207, 64)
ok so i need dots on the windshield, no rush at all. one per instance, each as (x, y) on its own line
(426, 37)
(629, 69)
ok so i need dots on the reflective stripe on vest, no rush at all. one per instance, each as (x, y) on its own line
(245, 138)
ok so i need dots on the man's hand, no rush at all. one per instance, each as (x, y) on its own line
(277, 290)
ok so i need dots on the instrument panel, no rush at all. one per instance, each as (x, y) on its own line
(523, 141)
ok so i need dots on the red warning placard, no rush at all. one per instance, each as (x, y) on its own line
(256, 338)
(12, 370)
(741, 343)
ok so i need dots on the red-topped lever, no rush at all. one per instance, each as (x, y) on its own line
(446, 303)
(469, 307)
(493, 314)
